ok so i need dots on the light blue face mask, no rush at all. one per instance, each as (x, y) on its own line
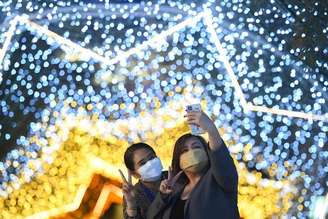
(151, 171)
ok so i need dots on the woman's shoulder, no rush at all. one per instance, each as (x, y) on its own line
(139, 187)
(141, 195)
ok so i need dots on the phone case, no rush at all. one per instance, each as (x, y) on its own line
(195, 130)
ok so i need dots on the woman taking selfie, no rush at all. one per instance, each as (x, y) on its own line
(203, 182)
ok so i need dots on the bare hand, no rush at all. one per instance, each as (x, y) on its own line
(128, 190)
(167, 185)
(200, 119)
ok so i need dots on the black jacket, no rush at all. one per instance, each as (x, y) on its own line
(143, 200)
(214, 197)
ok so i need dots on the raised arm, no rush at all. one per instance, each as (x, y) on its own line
(222, 165)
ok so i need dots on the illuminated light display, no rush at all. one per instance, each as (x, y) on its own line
(90, 145)
(112, 62)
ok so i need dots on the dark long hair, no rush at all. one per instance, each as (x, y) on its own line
(129, 153)
(177, 151)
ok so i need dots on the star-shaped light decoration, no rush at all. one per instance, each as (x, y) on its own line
(82, 178)
(61, 132)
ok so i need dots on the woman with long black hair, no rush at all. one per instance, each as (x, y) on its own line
(203, 182)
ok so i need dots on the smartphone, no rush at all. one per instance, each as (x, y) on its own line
(195, 130)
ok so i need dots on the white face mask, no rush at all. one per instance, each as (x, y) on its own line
(151, 171)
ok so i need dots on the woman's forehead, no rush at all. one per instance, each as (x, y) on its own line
(192, 141)
(141, 153)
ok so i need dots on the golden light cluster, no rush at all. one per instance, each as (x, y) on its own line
(88, 149)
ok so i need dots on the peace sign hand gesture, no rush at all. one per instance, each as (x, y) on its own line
(166, 186)
(128, 191)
